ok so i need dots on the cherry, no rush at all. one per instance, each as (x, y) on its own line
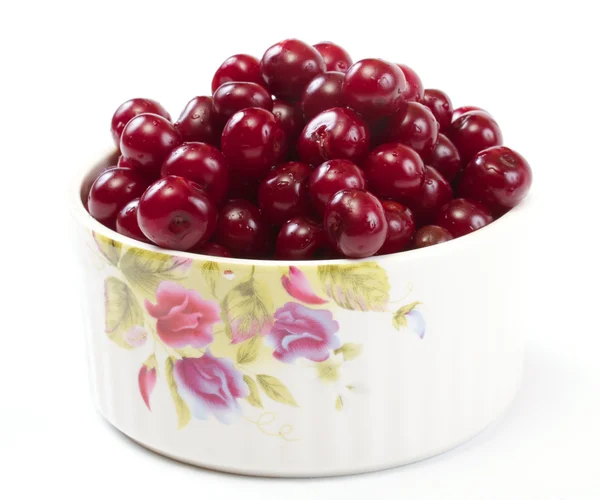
(413, 91)
(498, 177)
(462, 216)
(244, 188)
(123, 162)
(329, 178)
(323, 92)
(299, 238)
(130, 109)
(213, 249)
(202, 163)
(355, 223)
(283, 193)
(401, 227)
(458, 112)
(431, 235)
(175, 213)
(288, 66)
(242, 230)
(394, 171)
(238, 68)
(338, 133)
(253, 141)
(127, 223)
(290, 117)
(111, 191)
(444, 158)
(374, 87)
(435, 193)
(335, 57)
(440, 105)
(415, 126)
(147, 140)
(232, 97)
(473, 132)
(197, 122)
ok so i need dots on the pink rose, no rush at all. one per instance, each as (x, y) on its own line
(183, 317)
(296, 284)
(300, 332)
(210, 385)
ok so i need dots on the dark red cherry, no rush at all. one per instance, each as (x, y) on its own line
(415, 126)
(498, 177)
(202, 163)
(323, 92)
(238, 68)
(473, 132)
(458, 112)
(253, 141)
(127, 223)
(435, 193)
(413, 91)
(283, 193)
(401, 227)
(197, 122)
(355, 223)
(300, 238)
(232, 97)
(431, 235)
(130, 109)
(338, 133)
(288, 66)
(462, 216)
(291, 119)
(444, 158)
(242, 230)
(374, 87)
(440, 105)
(213, 249)
(329, 178)
(335, 57)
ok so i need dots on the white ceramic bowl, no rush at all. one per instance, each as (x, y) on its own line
(303, 368)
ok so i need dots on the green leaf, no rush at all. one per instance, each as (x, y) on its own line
(254, 398)
(108, 247)
(399, 320)
(210, 272)
(328, 371)
(358, 287)
(190, 352)
(339, 403)
(349, 351)
(275, 389)
(150, 363)
(248, 351)
(183, 412)
(122, 311)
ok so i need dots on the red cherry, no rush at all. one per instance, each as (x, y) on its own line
(498, 177)
(290, 117)
(462, 216)
(374, 87)
(394, 171)
(202, 163)
(431, 235)
(322, 93)
(288, 66)
(147, 140)
(338, 133)
(355, 223)
(175, 213)
(335, 57)
(127, 223)
(299, 239)
(238, 68)
(213, 249)
(329, 178)
(253, 141)
(458, 112)
(413, 91)
(415, 126)
(197, 122)
(444, 158)
(242, 229)
(440, 105)
(130, 109)
(232, 97)
(435, 193)
(123, 162)
(401, 227)
(473, 132)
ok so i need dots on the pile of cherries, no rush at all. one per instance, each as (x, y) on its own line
(304, 155)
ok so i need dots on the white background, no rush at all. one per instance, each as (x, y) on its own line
(65, 66)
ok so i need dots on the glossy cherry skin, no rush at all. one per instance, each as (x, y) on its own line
(283, 193)
(213, 249)
(401, 227)
(288, 66)
(335, 57)
(238, 68)
(197, 122)
(444, 157)
(338, 133)
(253, 141)
(355, 223)
(413, 91)
(415, 126)
(329, 178)
(242, 230)
(130, 109)
(440, 105)
(498, 177)
(323, 92)
(232, 97)
(473, 132)
(374, 87)
(111, 191)
(300, 238)
(394, 171)
(127, 223)
(431, 235)
(458, 112)
(462, 216)
(290, 117)
(202, 163)
(435, 193)
(147, 140)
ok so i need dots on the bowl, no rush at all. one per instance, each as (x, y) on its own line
(308, 368)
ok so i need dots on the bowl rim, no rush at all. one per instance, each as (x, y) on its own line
(82, 216)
